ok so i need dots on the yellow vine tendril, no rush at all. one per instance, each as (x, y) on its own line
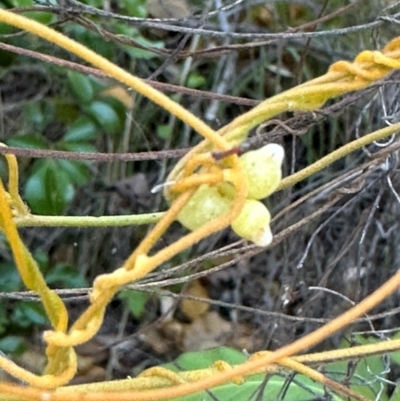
(341, 78)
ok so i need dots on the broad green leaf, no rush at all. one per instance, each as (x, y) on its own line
(396, 393)
(42, 259)
(33, 113)
(39, 113)
(83, 129)
(364, 378)
(35, 193)
(164, 131)
(59, 188)
(38, 165)
(136, 52)
(136, 301)
(42, 17)
(78, 147)
(135, 8)
(10, 279)
(29, 141)
(13, 345)
(195, 80)
(256, 387)
(6, 29)
(65, 276)
(204, 359)
(259, 388)
(396, 355)
(27, 313)
(3, 318)
(78, 173)
(94, 41)
(81, 86)
(105, 116)
(49, 189)
(143, 54)
(22, 3)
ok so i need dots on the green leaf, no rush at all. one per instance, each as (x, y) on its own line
(164, 131)
(78, 172)
(136, 301)
(396, 355)
(105, 116)
(39, 113)
(3, 319)
(42, 17)
(301, 388)
(83, 129)
(204, 359)
(42, 259)
(22, 3)
(35, 193)
(255, 387)
(81, 86)
(396, 393)
(49, 189)
(28, 141)
(366, 370)
(195, 80)
(93, 40)
(135, 8)
(13, 345)
(10, 279)
(135, 52)
(143, 54)
(27, 313)
(33, 113)
(65, 276)
(6, 29)
(78, 147)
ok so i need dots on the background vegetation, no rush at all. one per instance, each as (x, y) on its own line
(217, 58)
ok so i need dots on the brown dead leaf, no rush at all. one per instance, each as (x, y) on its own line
(94, 349)
(194, 309)
(296, 11)
(119, 93)
(88, 372)
(155, 339)
(208, 331)
(262, 16)
(32, 360)
(168, 8)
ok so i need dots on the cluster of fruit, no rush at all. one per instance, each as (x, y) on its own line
(262, 168)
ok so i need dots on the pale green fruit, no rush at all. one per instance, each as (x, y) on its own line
(252, 223)
(263, 170)
(205, 205)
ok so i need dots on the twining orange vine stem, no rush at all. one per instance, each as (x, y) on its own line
(13, 181)
(248, 367)
(139, 264)
(118, 73)
(62, 366)
(145, 381)
(342, 77)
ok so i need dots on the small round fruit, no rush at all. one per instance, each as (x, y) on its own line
(263, 170)
(252, 223)
(205, 205)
